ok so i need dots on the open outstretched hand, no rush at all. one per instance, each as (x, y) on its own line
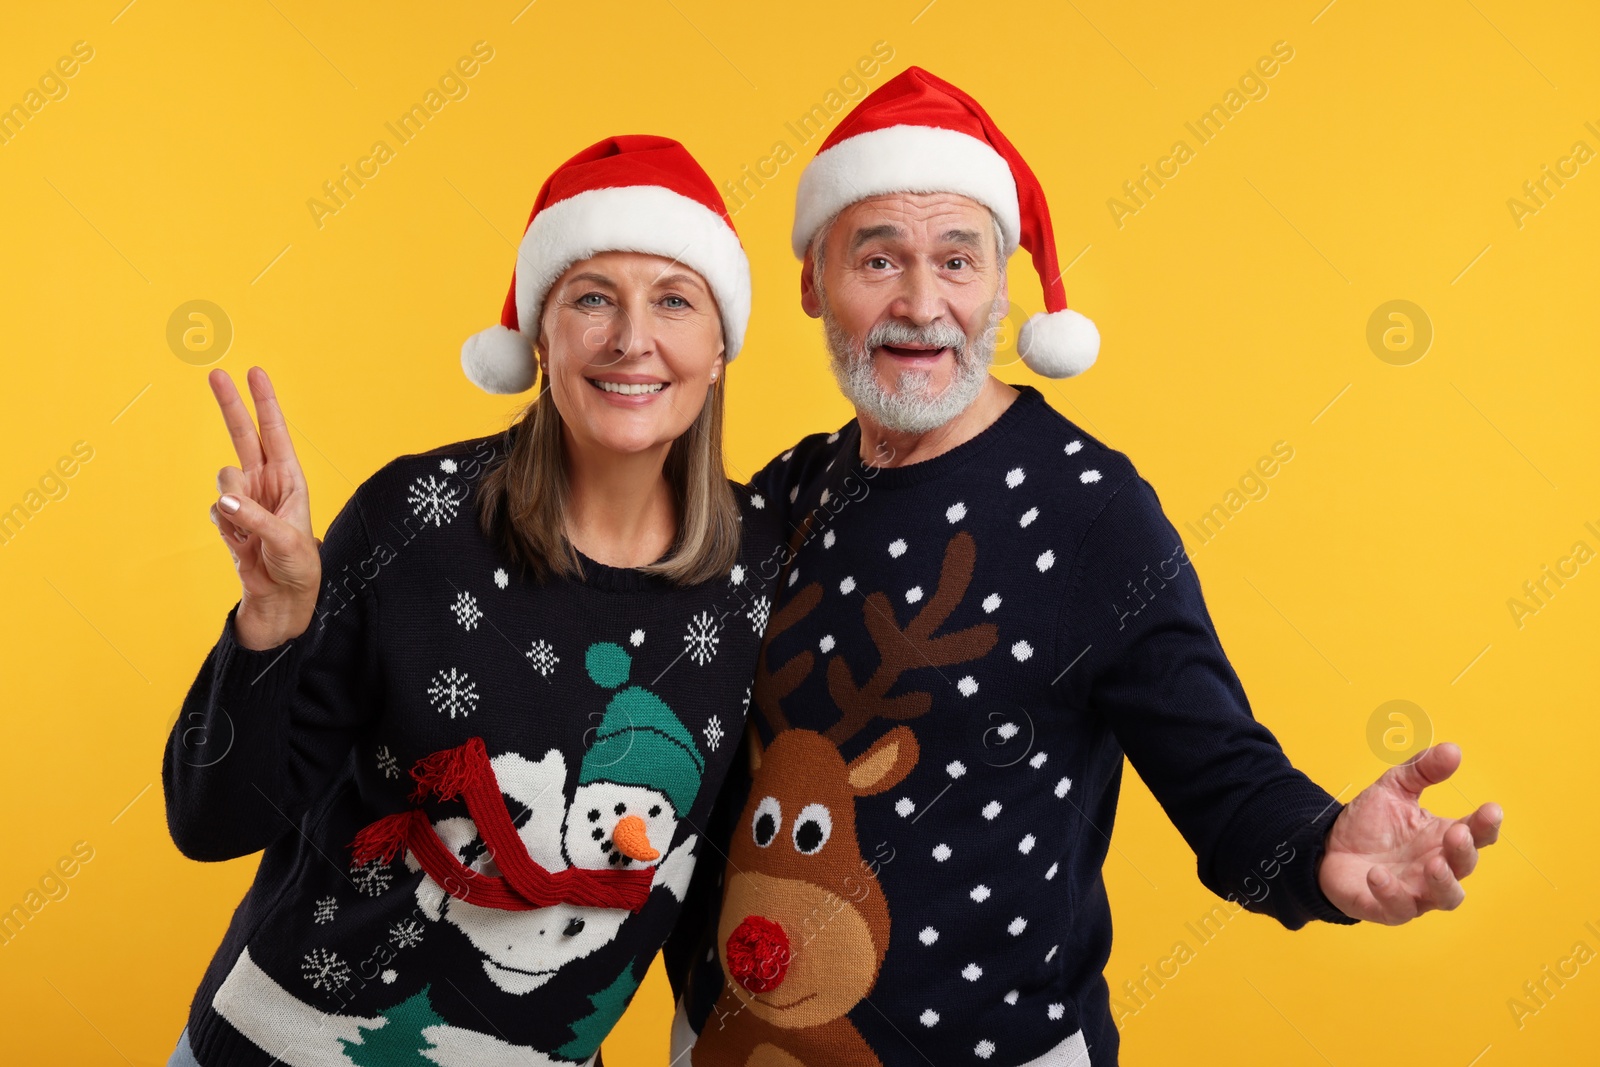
(1389, 859)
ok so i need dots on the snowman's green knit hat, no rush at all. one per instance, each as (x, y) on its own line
(640, 741)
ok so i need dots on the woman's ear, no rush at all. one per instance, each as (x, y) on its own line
(718, 367)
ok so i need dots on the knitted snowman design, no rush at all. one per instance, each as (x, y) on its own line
(640, 775)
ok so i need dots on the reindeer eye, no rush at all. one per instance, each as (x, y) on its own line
(765, 826)
(812, 828)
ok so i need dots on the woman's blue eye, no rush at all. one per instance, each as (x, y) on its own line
(676, 302)
(584, 300)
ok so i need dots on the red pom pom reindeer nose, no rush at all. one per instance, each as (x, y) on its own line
(758, 954)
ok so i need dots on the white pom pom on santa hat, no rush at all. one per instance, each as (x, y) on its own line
(917, 133)
(634, 193)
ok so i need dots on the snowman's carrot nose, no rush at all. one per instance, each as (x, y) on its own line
(633, 840)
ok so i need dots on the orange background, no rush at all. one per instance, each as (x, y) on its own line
(1378, 564)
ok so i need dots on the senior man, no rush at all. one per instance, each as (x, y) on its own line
(982, 610)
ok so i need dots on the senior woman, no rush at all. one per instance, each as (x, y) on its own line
(474, 729)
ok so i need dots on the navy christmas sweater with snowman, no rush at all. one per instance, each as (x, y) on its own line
(960, 654)
(478, 796)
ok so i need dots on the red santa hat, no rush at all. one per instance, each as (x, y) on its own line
(919, 134)
(634, 193)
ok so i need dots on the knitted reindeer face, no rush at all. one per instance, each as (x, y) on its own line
(804, 925)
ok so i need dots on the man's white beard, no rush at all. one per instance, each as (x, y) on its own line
(911, 407)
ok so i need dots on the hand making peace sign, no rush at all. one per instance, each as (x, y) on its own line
(264, 514)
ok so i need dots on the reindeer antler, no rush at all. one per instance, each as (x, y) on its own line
(902, 649)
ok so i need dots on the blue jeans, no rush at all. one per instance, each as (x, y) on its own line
(183, 1055)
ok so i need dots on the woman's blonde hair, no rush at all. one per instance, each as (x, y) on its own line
(522, 501)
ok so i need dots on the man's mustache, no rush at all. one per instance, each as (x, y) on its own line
(934, 335)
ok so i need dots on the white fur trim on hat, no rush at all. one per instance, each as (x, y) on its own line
(1059, 344)
(635, 218)
(499, 360)
(904, 159)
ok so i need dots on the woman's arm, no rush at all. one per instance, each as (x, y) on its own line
(270, 719)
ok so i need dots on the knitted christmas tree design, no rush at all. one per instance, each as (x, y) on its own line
(609, 1003)
(399, 1042)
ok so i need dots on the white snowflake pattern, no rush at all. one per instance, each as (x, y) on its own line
(1025, 846)
(1028, 517)
(983, 1049)
(1023, 651)
(1011, 997)
(956, 512)
(1074, 447)
(447, 465)
(913, 594)
(990, 603)
(713, 732)
(904, 806)
(972, 972)
(1014, 477)
(736, 576)
(324, 910)
(928, 935)
(1056, 1011)
(543, 657)
(466, 611)
(324, 970)
(371, 878)
(636, 638)
(387, 763)
(1016, 926)
(758, 501)
(825, 497)
(434, 500)
(941, 852)
(406, 933)
(1063, 786)
(1089, 476)
(1038, 760)
(1051, 873)
(955, 768)
(758, 613)
(979, 894)
(929, 1018)
(828, 539)
(451, 690)
(991, 810)
(389, 975)
(897, 547)
(967, 685)
(501, 578)
(701, 638)
(847, 585)
(1046, 560)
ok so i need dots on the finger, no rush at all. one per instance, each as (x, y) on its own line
(275, 440)
(1485, 824)
(1444, 891)
(252, 518)
(1459, 851)
(1393, 900)
(1429, 767)
(246, 442)
(230, 480)
(229, 531)
(232, 536)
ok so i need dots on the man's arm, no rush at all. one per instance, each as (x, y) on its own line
(1145, 657)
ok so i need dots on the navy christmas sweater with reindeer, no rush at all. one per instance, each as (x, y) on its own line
(960, 654)
(479, 797)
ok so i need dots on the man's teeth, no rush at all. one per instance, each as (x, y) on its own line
(630, 388)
